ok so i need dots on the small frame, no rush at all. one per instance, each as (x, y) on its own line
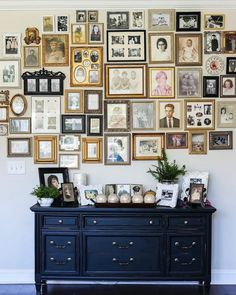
(161, 48)
(210, 86)
(214, 21)
(4, 114)
(45, 149)
(170, 114)
(10, 73)
(143, 115)
(188, 49)
(197, 142)
(69, 161)
(117, 116)
(73, 124)
(96, 33)
(189, 82)
(199, 114)
(122, 189)
(74, 101)
(68, 193)
(231, 65)
(178, 140)
(137, 19)
(88, 193)
(136, 189)
(81, 16)
(212, 42)
(93, 16)
(126, 81)
(126, 46)
(93, 101)
(62, 24)
(18, 104)
(117, 149)
(227, 86)
(161, 19)
(196, 193)
(110, 189)
(94, 125)
(148, 146)
(221, 140)
(226, 114)
(79, 33)
(92, 150)
(86, 66)
(55, 50)
(53, 176)
(20, 125)
(18, 147)
(229, 42)
(32, 36)
(48, 24)
(167, 194)
(3, 129)
(69, 142)
(162, 82)
(4, 97)
(118, 20)
(12, 45)
(32, 57)
(188, 21)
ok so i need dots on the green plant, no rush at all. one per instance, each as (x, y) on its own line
(166, 171)
(45, 192)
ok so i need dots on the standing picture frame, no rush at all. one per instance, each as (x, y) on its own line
(18, 147)
(81, 16)
(93, 101)
(45, 149)
(226, 114)
(92, 150)
(167, 194)
(161, 19)
(10, 73)
(46, 175)
(188, 21)
(73, 124)
(210, 86)
(117, 20)
(94, 125)
(74, 102)
(12, 45)
(221, 140)
(197, 142)
(196, 193)
(143, 115)
(189, 82)
(68, 193)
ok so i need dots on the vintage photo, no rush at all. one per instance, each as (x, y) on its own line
(74, 101)
(212, 42)
(20, 125)
(68, 192)
(4, 113)
(188, 21)
(214, 21)
(117, 115)
(92, 149)
(10, 74)
(32, 36)
(170, 114)
(12, 45)
(161, 48)
(167, 194)
(231, 65)
(69, 142)
(69, 161)
(32, 57)
(228, 86)
(94, 125)
(161, 19)
(96, 33)
(189, 82)
(122, 189)
(79, 33)
(18, 105)
(143, 115)
(4, 97)
(137, 19)
(136, 189)
(110, 189)
(117, 20)
(48, 24)
(226, 114)
(81, 16)
(196, 193)
(73, 123)
(62, 23)
(221, 140)
(162, 82)
(210, 86)
(93, 101)
(53, 176)
(93, 16)
(3, 129)
(18, 147)
(45, 149)
(197, 142)
(177, 140)
(229, 41)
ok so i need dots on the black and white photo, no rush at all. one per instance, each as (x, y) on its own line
(137, 19)
(188, 21)
(73, 124)
(62, 23)
(214, 21)
(118, 20)
(210, 86)
(12, 45)
(143, 115)
(189, 82)
(212, 42)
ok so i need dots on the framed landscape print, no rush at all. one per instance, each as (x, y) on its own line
(32, 57)
(94, 125)
(227, 86)
(117, 20)
(148, 146)
(126, 46)
(69, 142)
(10, 74)
(45, 149)
(143, 115)
(231, 65)
(20, 125)
(161, 48)
(214, 21)
(229, 41)
(189, 82)
(199, 114)
(161, 19)
(73, 124)
(170, 114)
(162, 82)
(177, 140)
(212, 42)
(69, 161)
(125, 81)
(12, 45)
(221, 140)
(74, 101)
(188, 21)
(92, 150)
(93, 101)
(86, 66)
(96, 33)
(197, 142)
(117, 149)
(4, 114)
(137, 19)
(226, 114)
(210, 86)
(79, 33)
(4, 97)
(18, 105)
(18, 147)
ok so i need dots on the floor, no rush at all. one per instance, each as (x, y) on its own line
(119, 289)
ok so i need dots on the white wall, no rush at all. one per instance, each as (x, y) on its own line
(16, 220)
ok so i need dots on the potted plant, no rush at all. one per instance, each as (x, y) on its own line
(45, 194)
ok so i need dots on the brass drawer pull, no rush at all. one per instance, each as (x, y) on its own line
(185, 263)
(177, 244)
(131, 259)
(60, 246)
(52, 259)
(123, 246)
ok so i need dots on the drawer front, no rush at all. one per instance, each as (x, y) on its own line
(60, 221)
(186, 222)
(60, 244)
(60, 263)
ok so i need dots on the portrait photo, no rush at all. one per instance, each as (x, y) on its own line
(229, 41)
(48, 24)
(32, 57)
(69, 161)
(96, 33)
(212, 42)
(62, 23)
(117, 149)
(68, 192)
(189, 82)
(196, 193)
(161, 48)
(110, 189)
(210, 86)
(117, 114)
(221, 140)
(53, 176)
(12, 45)
(79, 33)
(226, 114)
(94, 125)
(137, 19)
(161, 19)
(73, 101)
(143, 115)
(18, 147)
(170, 114)
(118, 20)
(81, 16)
(177, 140)
(198, 142)
(231, 65)
(4, 113)
(9, 73)
(227, 86)
(188, 21)
(214, 21)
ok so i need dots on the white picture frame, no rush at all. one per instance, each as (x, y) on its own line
(167, 194)
(11, 45)
(84, 191)
(10, 73)
(69, 161)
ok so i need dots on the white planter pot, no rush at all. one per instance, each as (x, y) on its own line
(45, 202)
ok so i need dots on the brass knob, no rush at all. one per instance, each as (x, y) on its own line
(186, 222)
(193, 259)
(176, 243)
(60, 221)
(150, 222)
(131, 243)
(69, 243)
(131, 259)
(113, 243)
(95, 222)
(193, 243)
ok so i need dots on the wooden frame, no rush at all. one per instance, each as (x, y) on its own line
(189, 82)
(79, 33)
(214, 21)
(69, 142)
(161, 19)
(18, 105)
(20, 127)
(188, 21)
(11, 45)
(196, 193)
(32, 36)
(226, 114)
(69, 161)
(32, 57)
(93, 101)
(4, 114)
(92, 150)
(4, 97)
(74, 102)
(45, 149)
(170, 114)
(199, 145)
(75, 124)
(229, 41)
(221, 140)
(118, 20)
(210, 86)
(148, 146)
(46, 174)
(143, 115)
(227, 86)
(10, 73)
(93, 16)
(18, 147)
(96, 33)
(81, 16)
(212, 42)
(177, 140)
(94, 125)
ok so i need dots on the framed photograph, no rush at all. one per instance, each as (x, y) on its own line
(20, 125)
(86, 66)
(188, 49)
(221, 140)
(96, 33)
(88, 193)
(62, 24)
(136, 189)
(68, 192)
(148, 146)
(4, 113)
(227, 86)
(32, 57)
(79, 33)
(162, 82)
(53, 176)
(126, 81)
(226, 114)
(189, 82)
(117, 116)
(93, 16)
(212, 42)
(143, 115)
(93, 101)
(48, 24)
(55, 49)
(214, 21)
(12, 45)
(231, 65)
(32, 36)
(110, 189)
(3, 129)
(4, 97)
(69, 161)
(117, 149)
(10, 74)
(161, 19)
(92, 150)
(170, 114)
(210, 86)
(199, 114)
(161, 48)
(118, 20)
(18, 105)
(196, 193)
(177, 140)
(73, 124)
(188, 21)
(46, 114)
(69, 142)
(74, 101)
(81, 16)
(167, 194)
(45, 149)
(94, 125)
(229, 41)
(197, 142)
(137, 19)
(18, 147)
(126, 46)
(122, 189)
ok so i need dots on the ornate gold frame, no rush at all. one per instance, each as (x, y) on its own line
(54, 143)
(95, 140)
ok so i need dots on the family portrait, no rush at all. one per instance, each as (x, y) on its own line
(162, 82)
(9, 73)
(117, 115)
(117, 149)
(189, 82)
(143, 115)
(118, 20)
(188, 21)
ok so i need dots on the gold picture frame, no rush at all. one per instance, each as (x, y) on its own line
(45, 149)
(161, 19)
(74, 101)
(92, 149)
(79, 33)
(214, 21)
(197, 142)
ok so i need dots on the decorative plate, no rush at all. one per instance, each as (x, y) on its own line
(215, 65)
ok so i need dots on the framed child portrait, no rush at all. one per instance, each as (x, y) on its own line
(227, 86)
(73, 124)
(143, 115)
(226, 114)
(197, 142)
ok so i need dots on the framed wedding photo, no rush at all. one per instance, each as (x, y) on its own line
(161, 48)
(74, 101)
(45, 149)
(73, 124)
(210, 86)
(69, 142)
(189, 82)
(117, 20)
(226, 114)
(197, 142)
(212, 42)
(9, 73)
(143, 115)
(227, 86)
(12, 45)
(96, 33)
(229, 42)
(20, 125)
(92, 150)
(170, 114)
(137, 19)
(214, 21)
(32, 57)
(18, 147)
(94, 125)
(93, 101)
(69, 161)
(177, 140)
(221, 140)
(161, 19)
(188, 21)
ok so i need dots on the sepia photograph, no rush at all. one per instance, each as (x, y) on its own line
(196, 193)
(48, 24)
(143, 115)
(226, 114)
(96, 33)
(177, 140)
(117, 115)
(189, 82)
(92, 149)
(32, 57)
(229, 41)
(93, 16)
(198, 142)
(79, 33)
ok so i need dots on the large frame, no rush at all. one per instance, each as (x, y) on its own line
(118, 20)
(10, 74)
(188, 21)
(18, 147)
(126, 81)
(143, 115)
(221, 140)
(92, 150)
(46, 176)
(45, 149)
(170, 114)
(226, 114)
(189, 82)
(161, 19)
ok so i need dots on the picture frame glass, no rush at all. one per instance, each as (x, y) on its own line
(143, 115)
(117, 150)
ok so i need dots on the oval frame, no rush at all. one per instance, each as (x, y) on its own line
(25, 104)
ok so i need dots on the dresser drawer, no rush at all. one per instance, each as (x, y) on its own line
(186, 244)
(55, 262)
(60, 244)
(60, 221)
(185, 222)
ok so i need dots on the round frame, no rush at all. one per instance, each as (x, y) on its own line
(25, 105)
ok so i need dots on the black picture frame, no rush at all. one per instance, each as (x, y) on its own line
(210, 86)
(188, 22)
(42, 82)
(89, 118)
(231, 65)
(60, 172)
(199, 193)
(67, 129)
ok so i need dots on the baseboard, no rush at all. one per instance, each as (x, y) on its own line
(223, 277)
(16, 276)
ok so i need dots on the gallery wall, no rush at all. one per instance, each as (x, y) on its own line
(17, 222)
